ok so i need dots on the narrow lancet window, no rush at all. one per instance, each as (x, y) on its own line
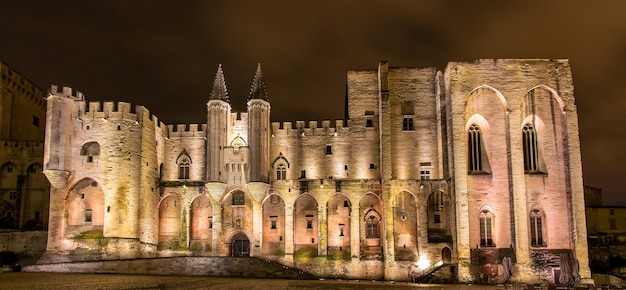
(531, 152)
(536, 228)
(474, 149)
(486, 234)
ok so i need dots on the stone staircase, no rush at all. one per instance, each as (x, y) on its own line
(193, 266)
(423, 274)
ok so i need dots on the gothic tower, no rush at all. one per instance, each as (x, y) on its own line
(258, 124)
(218, 111)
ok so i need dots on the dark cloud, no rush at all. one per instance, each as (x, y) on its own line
(164, 54)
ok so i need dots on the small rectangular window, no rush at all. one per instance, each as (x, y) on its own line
(372, 166)
(273, 220)
(369, 123)
(89, 159)
(407, 124)
(309, 221)
(303, 174)
(329, 150)
(239, 198)
(88, 216)
(425, 174)
(35, 121)
(13, 195)
(437, 218)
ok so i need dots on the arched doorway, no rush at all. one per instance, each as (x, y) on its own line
(240, 246)
(446, 255)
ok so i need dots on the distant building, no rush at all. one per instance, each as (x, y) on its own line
(593, 196)
(606, 228)
(434, 171)
(24, 190)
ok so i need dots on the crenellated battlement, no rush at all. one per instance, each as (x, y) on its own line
(157, 123)
(187, 130)
(21, 145)
(310, 128)
(66, 92)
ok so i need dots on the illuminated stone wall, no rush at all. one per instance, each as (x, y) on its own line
(384, 195)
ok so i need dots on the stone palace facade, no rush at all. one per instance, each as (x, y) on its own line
(439, 173)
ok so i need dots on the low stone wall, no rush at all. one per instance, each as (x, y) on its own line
(29, 243)
(197, 266)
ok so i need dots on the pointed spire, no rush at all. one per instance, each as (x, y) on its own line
(257, 91)
(219, 91)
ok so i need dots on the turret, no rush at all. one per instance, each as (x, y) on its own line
(259, 129)
(59, 127)
(218, 111)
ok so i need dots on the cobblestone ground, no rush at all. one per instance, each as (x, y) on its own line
(115, 281)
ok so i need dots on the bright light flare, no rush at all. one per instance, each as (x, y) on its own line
(423, 262)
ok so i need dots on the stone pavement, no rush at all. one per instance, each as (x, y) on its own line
(21, 280)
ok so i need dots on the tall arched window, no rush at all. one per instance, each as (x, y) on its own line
(474, 149)
(531, 153)
(536, 228)
(183, 169)
(486, 224)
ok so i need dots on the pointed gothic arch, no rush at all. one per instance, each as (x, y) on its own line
(239, 244)
(183, 154)
(487, 224)
(305, 224)
(371, 223)
(477, 131)
(499, 94)
(273, 224)
(405, 226)
(439, 217)
(201, 229)
(85, 207)
(170, 227)
(553, 93)
(537, 219)
(338, 228)
(183, 162)
(35, 198)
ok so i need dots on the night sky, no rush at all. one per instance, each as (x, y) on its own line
(164, 54)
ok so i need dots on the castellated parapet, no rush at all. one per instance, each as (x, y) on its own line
(446, 170)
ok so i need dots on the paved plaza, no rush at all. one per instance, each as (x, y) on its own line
(115, 281)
